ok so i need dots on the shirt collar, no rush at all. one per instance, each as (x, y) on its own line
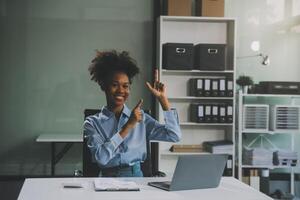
(126, 111)
(106, 112)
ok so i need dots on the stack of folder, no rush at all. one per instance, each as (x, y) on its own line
(211, 87)
(285, 158)
(211, 113)
(219, 147)
(257, 156)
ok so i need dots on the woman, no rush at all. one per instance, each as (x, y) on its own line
(117, 136)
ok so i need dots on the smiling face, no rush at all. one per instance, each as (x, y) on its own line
(117, 91)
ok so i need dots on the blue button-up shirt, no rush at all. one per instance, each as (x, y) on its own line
(109, 149)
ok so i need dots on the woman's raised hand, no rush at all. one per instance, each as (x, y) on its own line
(158, 89)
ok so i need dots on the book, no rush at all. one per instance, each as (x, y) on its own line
(219, 146)
(112, 184)
(186, 148)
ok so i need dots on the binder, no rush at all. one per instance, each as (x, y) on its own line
(229, 112)
(207, 114)
(197, 113)
(228, 167)
(222, 113)
(222, 87)
(199, 86)
(215, 113)
(229, 89)
(200, 117)
(207, 88)
(196, 87)
(214, 87)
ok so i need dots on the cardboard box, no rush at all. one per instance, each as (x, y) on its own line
(210, 8)
(178, 7)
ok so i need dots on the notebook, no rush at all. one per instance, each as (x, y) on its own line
(195, 172)
(112, 184)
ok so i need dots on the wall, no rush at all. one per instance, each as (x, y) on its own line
(46, 47)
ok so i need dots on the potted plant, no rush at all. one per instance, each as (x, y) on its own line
(244, 82)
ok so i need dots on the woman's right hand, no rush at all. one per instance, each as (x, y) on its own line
(136, 115)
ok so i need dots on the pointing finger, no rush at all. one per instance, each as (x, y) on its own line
(139, 105)
(156, 78)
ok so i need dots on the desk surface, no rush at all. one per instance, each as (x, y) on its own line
(52, 189)
(60, 138)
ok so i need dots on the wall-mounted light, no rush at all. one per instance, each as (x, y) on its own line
(265, 58)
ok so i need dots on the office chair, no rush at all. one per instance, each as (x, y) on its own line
(149, 167)
(89, 168)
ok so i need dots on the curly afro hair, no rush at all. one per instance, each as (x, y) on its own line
(107, 63)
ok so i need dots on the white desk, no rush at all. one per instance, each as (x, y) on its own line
(68, 139)
(52, 189)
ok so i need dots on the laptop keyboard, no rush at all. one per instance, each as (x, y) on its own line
(166, 184)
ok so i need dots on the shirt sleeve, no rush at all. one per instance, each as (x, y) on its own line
(170, 131)
(102, 149)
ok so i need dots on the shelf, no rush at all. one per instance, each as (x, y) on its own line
(196, 19)
(266, 99)
(195, 30)
(168, 153)
(272, 95)
(196, 98)
(204, 124)
(268, 166)
(195, 72)
(272, 132)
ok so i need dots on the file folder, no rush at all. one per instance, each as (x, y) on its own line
(207, 88)
(207, 114)
(222, 87)
(222, 113)
(229, 113)
(196, 87)
(215, 113)
(214, 87)
(199, 84)
(200, 116)
(197, 113)
(228, 167)
(229, 88)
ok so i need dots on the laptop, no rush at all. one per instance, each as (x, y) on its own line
(195, 172)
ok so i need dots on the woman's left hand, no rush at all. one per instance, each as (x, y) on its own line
(159, 91)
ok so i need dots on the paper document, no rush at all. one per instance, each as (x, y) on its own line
(112, 184)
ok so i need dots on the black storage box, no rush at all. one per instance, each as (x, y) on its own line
(178, 56)
(279, 87)
(210, 57)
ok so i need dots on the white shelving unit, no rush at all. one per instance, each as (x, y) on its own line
(173, 29)
(264, 99)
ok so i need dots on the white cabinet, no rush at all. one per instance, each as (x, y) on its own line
(172, 29)
(278, 116)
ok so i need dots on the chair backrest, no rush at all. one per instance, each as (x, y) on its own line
(149, 166)
(89, 168)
